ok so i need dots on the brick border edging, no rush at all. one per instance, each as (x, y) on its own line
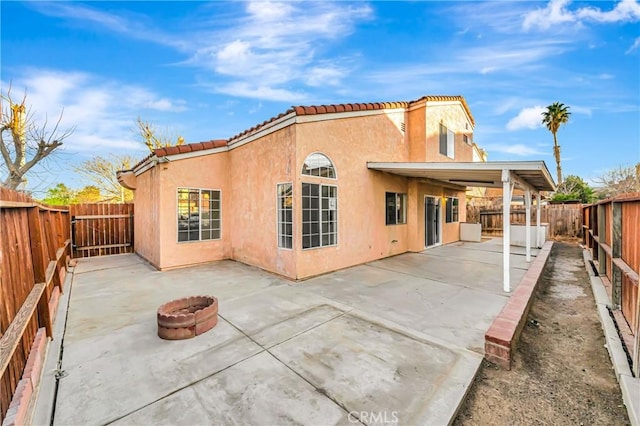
(24, 395)
(503, 334)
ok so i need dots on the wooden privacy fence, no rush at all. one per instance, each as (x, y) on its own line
(34, 250)
(101, 229)
(612, 234)
(563, 219)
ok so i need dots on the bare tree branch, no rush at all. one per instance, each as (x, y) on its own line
(30, 142)
(154, 139)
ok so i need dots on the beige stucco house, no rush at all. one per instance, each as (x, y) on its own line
(303, 193)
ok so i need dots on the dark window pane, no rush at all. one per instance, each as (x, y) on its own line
(315, 241)
(443, 139)
(390, 206)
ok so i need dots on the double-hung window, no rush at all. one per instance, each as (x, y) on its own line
(447, 141)
(451, 211)
(396, 208)
(319, 215)
(285, 215)
(198, 214)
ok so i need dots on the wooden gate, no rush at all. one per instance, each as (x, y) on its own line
(101, 229)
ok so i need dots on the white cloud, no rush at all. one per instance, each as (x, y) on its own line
(517, 149)
(265, 92)
(102, 111)
(266, 49)
(557, 12)
(634, 46)
(625, 11)
(324, 76)
(527, 118)
(133, 26)
(277, 44)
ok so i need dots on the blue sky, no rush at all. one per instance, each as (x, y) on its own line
(210, 70)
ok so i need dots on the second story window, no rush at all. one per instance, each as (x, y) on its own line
(447, 141)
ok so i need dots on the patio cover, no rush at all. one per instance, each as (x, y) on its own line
(531, 176)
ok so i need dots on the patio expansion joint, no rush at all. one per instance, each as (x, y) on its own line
(195, 382)
(268, 350)
(263, 349)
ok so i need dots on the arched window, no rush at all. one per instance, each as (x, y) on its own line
(318, 164)
(319, 204)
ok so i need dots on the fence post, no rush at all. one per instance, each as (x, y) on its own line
(602, 257)
(616, 252)
(39, 259)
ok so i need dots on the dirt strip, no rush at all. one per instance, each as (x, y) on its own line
(561, 372)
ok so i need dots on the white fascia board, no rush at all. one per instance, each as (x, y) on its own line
(153, 161)
(274, 126)
(140, 169)
(488, 165)
(184, 155)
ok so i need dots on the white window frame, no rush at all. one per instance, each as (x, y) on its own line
(279, 211)
(451, 141)
(199, 240)
(320, 210)
(457, 211)
(401, 198)
(333, 166)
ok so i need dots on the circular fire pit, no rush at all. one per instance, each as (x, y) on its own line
(188, 317)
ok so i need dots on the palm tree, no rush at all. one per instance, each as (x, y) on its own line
(556, 114)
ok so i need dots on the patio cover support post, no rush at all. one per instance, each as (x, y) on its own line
(527, 223)
(507, 186)
(538, 243)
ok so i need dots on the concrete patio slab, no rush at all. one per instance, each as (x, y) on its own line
(258, 391)
(461, 251)
(467, 272)
(399, 338)
(113, 375)
(370, 368)
(272, 316)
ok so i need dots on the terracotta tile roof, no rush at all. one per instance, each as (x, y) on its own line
(327, 109)
(139, 163)
(304, 110)
(191, 147)
(173, 150)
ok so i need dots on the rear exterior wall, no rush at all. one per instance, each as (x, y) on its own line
(362, 234)
(255, 170)
(205, 172)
